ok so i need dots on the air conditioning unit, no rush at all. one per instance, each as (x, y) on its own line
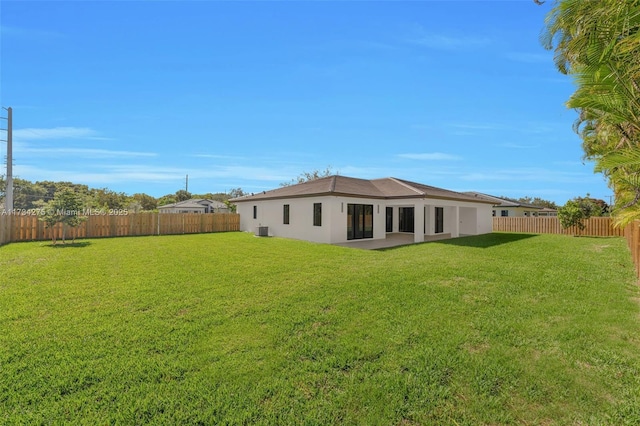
(262, 231)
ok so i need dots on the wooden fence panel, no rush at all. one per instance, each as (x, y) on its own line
(595, 226)
(14, 228)
(632, 235)
(5, 229)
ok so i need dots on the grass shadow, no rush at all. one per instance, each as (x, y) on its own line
(486, 240)
(78, 244)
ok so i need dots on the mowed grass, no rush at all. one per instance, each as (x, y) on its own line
(235, 329)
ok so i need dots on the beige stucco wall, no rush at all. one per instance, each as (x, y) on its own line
(459, 217)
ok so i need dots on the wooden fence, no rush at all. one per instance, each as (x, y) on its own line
(632, 234)
(14, 228)
(594, 227)
(5, 229)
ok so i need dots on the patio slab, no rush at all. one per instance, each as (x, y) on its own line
(392, 240)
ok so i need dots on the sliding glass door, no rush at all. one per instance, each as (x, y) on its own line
(389, 219)
(439, 220)
(406, 218)
(359, 221)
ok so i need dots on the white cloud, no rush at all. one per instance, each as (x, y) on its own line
(99, 175)
(523, 127)
(431, 156)
(445, 41)
(531, 58)
(218, 157)
(23, 137)
(518, 146)
(84, 152)
(526, 174)
(55, 133)
(143, 173)
(477, 126)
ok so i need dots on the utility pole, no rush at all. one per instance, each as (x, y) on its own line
(8, 197)
(186, 184)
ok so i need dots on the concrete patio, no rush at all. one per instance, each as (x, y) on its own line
(392, 240)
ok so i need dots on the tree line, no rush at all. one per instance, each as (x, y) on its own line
(29, 195)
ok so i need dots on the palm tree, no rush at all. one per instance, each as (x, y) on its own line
(598, 43)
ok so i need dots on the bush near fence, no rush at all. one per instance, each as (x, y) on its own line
(15, 228)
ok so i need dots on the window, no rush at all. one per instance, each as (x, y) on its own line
(406, 219)
(493, 213)
(389, 219)
(439, 220)
(359, 221)
(317, 214)
(255, 212)
(285, 214)
(504, 213)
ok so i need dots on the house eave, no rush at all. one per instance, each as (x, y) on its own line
(364, 196)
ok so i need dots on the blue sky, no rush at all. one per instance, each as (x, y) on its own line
(135, 95)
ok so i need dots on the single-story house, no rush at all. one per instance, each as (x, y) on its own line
(547, 212)
(195, 205)
(339, 209)
(503, 207)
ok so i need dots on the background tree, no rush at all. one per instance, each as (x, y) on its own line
(233, 193)
(309, 176)
(182, 195)
(166, 199)
(51, 188)
(66, 208)
(134, 206)
(576, 211)
(26, 194)
(217, 196)
(147, 202)
(537, 201)
(108, 199)
(236, 193)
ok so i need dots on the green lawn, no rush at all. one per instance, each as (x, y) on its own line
(234, 329)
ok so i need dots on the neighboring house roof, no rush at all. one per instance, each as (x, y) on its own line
(503, 202)
(385, 188)
(548, 210)
(194, 203)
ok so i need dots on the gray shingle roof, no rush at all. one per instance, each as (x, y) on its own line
(194, 203)
(385, 188)
(503, 202)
